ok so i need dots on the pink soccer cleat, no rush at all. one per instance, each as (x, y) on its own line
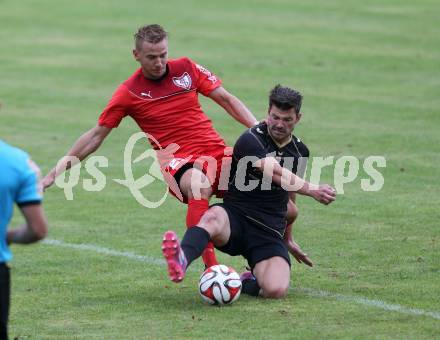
(174, 256)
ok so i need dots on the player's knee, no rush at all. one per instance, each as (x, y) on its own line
(206, 193)
(275, 291)
(195, 185)
(211, 221)
(200, 190)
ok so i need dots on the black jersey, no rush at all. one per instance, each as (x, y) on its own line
(260, 200)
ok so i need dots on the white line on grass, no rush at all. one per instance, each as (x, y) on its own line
(105, 251)
(307, 291)
(368, 302)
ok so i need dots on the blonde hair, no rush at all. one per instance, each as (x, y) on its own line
(150, 33)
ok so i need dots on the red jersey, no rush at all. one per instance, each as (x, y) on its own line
(168, 108)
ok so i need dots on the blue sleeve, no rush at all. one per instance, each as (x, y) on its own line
(29, 189)
(249, 145)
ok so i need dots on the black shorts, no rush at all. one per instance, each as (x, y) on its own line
(251, 240)
(5, 287)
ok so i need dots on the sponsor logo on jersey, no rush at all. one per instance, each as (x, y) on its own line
(184, 81)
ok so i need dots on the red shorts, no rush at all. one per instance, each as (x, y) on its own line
(216, 165)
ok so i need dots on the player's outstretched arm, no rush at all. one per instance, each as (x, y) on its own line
(233, 106)
(85, 145)
(270, 167)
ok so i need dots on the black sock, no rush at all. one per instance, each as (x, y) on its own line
(194, 242)
(250, 287)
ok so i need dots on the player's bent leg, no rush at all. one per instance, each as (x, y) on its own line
(196, 187)
(179, 255)
(216, 222)
(273, 276)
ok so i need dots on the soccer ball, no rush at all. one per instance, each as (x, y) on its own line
(220, 285)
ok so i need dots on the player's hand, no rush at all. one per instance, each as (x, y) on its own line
(325, 194)
(298, 254)
(47, 181)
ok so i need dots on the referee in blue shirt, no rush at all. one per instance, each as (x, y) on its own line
(18, 184)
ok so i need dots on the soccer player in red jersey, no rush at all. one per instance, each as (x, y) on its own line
(162, 98)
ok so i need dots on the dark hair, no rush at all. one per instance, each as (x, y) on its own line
(150, 33)
(285, 98)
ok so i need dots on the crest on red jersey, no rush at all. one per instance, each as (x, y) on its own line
(184, 81)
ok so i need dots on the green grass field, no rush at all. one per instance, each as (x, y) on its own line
(370, 74)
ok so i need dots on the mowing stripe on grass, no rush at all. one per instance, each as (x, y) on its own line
(307, 291)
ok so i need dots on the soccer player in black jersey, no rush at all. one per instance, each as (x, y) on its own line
(251, 221)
